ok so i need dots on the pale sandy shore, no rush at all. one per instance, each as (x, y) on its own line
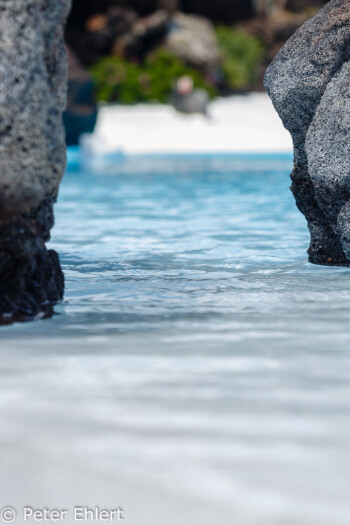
(72, 436)
(241, 123)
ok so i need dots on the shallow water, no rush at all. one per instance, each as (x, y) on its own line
(196, 352)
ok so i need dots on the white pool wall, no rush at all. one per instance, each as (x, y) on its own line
(237, 124)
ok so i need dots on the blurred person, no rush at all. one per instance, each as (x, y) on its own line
(188, 99)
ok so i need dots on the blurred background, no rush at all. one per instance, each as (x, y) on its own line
(131, 51)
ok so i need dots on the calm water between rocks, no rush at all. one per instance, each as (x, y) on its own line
(198, 361)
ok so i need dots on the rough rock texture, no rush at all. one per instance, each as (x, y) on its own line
(308, 83)
(30, 285)
(32, 151)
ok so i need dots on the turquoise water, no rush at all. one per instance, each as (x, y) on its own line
(156, 244)
(196, 350)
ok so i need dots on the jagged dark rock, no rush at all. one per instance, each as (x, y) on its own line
(32, 152)
(308, 83)
(30, 285)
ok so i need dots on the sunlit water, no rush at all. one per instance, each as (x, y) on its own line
(196, 352)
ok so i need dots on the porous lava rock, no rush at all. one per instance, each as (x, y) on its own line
(309, 84)
(32, 152)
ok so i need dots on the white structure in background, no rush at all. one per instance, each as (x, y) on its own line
(244, 123)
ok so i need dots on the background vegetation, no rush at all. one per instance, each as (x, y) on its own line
(123, 43)
(127, 82)
(118, 79)
(241, 55)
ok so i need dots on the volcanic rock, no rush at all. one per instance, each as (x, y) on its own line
(308, 83)
(32, 152)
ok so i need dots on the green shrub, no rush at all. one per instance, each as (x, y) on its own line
(117, 79)
(241, 54)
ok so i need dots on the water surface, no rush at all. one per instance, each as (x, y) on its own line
(197, 354)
